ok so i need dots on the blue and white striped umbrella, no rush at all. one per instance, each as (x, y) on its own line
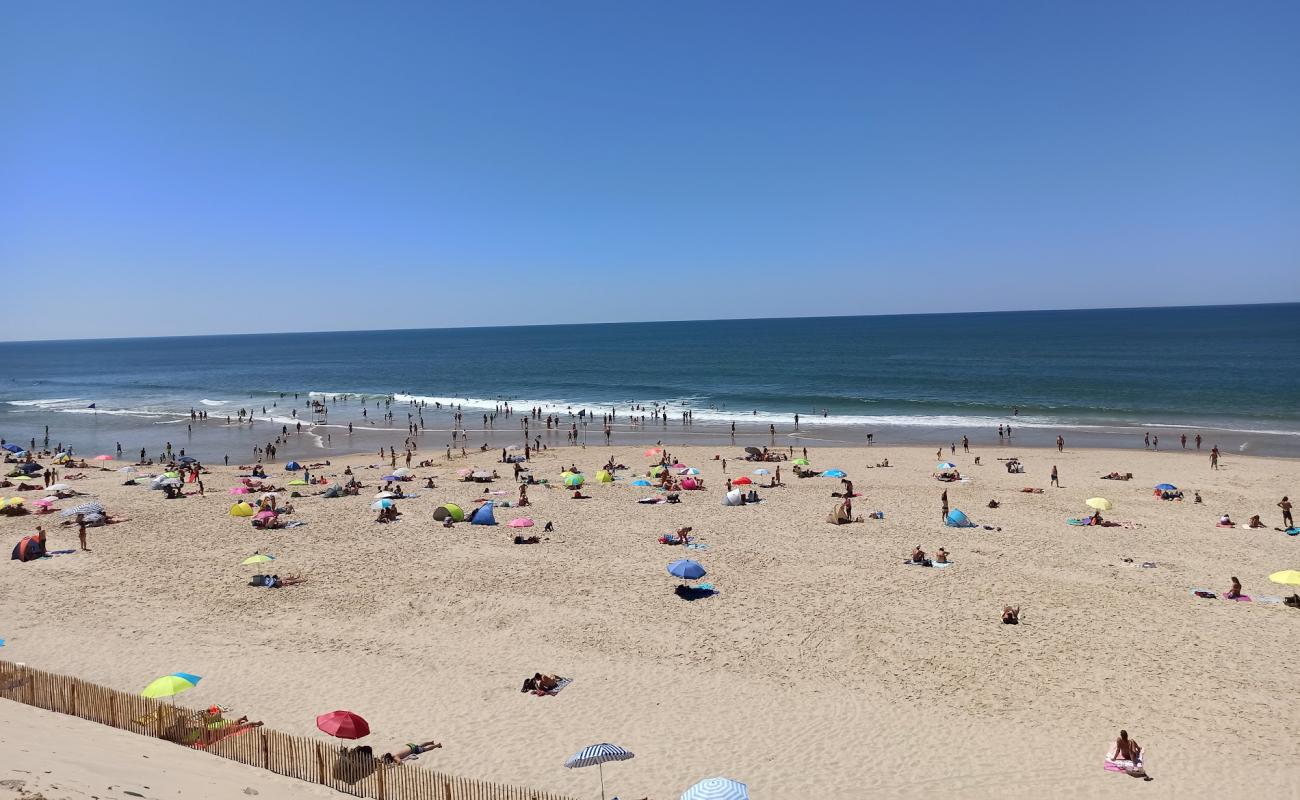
(597, 755)
(84, 508)
(717, 789)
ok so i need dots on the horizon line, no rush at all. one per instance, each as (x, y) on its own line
(642, 322)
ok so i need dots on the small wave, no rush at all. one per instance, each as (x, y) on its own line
(46, 403)
(214, 402)
(114, 412)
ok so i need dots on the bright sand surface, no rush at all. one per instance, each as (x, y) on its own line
(52, 756)
(824, 668)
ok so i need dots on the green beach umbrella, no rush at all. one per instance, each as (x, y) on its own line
(169, 685)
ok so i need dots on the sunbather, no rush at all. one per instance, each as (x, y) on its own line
(1226, 522)
(541, 683)
(1235, 591)
(409, 750)
(1010, 616)
(941, 557)
(1127, 754)
(918, 555)
(275, 581)
(1255, 522)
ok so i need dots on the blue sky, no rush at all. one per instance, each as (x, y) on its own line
(171, 168)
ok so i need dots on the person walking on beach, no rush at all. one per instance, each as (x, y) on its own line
(1146, 441)
(1056, 480)
(965, 444)
(1285, 505)
(81, 531)
(944, 500)
(1198, 441)
(1214, 457)
(1060, 447)
(1183, 440)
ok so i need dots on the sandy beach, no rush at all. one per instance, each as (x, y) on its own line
(823, 667)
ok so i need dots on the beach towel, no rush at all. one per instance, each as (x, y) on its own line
(928, 563)
(1082, 522)
(1221, 525)
(1204, 593)
(694, 546)
(1269, 599)
(1292, 531)
(1244, 598)
(1122, 766)
(651, 501)
(297, 523)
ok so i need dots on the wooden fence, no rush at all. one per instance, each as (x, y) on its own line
(298, 757)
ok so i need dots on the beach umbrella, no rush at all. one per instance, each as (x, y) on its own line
(946, 465)
(343, 724)
(753, 451)
(640, 482)
(1166, 487)
(465, 472)
(187, 460)
(689, 471)
(449, 510)
(84, 508)
(482, 473)
(741, 481)
(596, 756)
(170, 685)
(171, 474)
(761, 471)
(257, 558)
(13, 448)
(381, 504)
(128, 470)
(171, 482)
(654, 452)
(45, 502)
(241, 510)
(402, 472)
(239, 490)
(686, 569)
(13, 501)
(803, 462)
(573, 480)
(679, 465)
(103, 458)
(834, 473)
(522, 522)
(717, 789)
(263, 515)
(1099, 503)
(1289, 577)
(58, 487)
(384, 495)
(656, 470)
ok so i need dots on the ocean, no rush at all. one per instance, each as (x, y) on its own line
(1098, 377)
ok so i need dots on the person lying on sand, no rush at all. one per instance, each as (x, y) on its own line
(409, 750)
(275, 581)
(527, 540)
(1226, 522)
(578, 495)
(1010, 616)
(541, 683)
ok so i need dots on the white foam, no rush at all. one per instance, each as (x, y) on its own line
(215, 402)
(46, 403)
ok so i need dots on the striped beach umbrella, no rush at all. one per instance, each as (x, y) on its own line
(717, 789)
(84, 508)
(596, 756)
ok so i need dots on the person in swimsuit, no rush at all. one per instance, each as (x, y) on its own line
(1010, 616)
(1128, 754)
(410, 750)
(1235, 591)
(941, 557)
(918, 555)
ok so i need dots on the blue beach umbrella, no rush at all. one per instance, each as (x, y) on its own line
(381, 504)
(640, 482)
(717, 789)
(1166, 487)
(946, 465)
(686, 569)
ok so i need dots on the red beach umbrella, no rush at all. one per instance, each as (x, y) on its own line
(742, 480)
(343, 724)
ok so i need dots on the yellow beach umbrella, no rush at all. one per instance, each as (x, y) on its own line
(1099, 503)
(1286, 576)
(169, 685)
(257, 559)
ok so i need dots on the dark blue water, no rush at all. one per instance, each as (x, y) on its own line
(916, 378)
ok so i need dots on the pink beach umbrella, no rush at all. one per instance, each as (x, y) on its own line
(261, 515)
(103, 458)
(239, 490)
(465, 473)
(522, 522)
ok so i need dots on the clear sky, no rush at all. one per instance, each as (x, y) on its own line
(171, 168)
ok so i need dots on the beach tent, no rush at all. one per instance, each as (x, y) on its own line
(732, 498)
(30, 467)
(449, 510)
(957, 519)
(241, 510)
(640, 482)
(292, 466)
(483, 515)
(334, 491)
(604, 477)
